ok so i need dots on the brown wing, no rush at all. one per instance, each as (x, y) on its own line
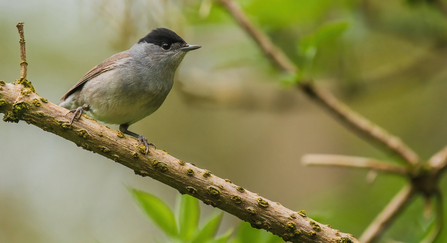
(103, 67)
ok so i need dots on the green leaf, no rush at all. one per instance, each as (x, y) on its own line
(156, 210)
(210, 229)
(267, 237)
(292, 79)
(326, 33)
(189, 214)
(330, 32)
(288, 12)
(246, 233)
(308, 45)
(223, 238)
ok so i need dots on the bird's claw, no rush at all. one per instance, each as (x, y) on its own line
(143, 140)
(77, 113)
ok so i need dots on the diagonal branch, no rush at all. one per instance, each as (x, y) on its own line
(441, 5)
(271, 50)
(343, 113)
(359, 124)
(439, 161)
(20, 103)
(388, 214)
(355, 162)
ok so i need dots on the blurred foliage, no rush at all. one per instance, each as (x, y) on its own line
(308, 46)
(188, 216)
(353, 59)
(387, 46)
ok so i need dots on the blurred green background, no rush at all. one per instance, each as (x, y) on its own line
(228, 112)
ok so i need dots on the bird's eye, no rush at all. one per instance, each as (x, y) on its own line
(166, 46)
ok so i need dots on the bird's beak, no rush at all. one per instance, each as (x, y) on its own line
(187, 47)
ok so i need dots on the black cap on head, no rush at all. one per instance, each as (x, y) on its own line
(162, 35)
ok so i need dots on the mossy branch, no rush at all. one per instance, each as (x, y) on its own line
(19, 103)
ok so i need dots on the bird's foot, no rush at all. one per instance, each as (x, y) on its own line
(142, 140)
(77, 113)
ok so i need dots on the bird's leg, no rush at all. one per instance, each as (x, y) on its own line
(77, 113)
(141, 138)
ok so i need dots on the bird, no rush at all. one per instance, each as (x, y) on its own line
(129, 85)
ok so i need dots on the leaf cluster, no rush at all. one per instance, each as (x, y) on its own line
(184, 226)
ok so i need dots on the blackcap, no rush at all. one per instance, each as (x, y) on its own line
(130, 85)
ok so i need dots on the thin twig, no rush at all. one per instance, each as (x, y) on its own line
(439, 161)
(273, 53)
(351, 161)
(388, 214)
(344, 114)
(441, 5)
(23, 63)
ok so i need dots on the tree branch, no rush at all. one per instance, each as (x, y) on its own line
(439, 161)
(343, 113)
(351, 161)
(273, 53)
(388, 214)
(18, 102)
(421, 180)
(357, 123)
(441, 5)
